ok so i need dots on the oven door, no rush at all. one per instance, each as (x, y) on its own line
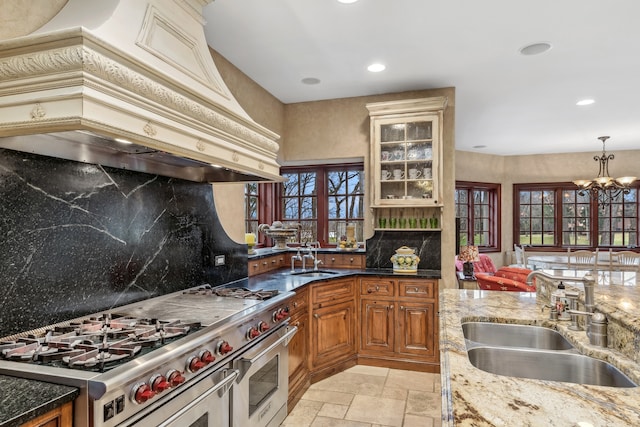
(205, 404)
(259, 398)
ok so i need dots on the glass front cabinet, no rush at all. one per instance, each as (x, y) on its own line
(405, 162)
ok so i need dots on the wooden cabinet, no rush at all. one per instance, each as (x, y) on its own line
(406, 163)
(398, 322)
(59, 417)
(267, 264)
(299, 347)
(333, 324)
(342, 260)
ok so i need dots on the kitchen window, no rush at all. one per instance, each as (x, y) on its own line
(324, 199)
(478, 208)
(556, 216)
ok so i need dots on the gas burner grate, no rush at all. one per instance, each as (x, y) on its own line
(240, 293)
(96, 343)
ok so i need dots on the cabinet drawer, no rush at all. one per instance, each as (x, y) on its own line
(299, 302)
(376, 287)
(332, 291)
(417, 288)
(342, 260)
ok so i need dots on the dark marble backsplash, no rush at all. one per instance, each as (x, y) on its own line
(77, 239)
(383, 245)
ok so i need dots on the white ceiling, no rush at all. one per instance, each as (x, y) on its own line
(511, 103)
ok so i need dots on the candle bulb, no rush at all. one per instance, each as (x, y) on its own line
(250, 238)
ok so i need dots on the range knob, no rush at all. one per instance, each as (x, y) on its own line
(206, 357)
(224, 348)
(175, 378)
(252, 333)
(159, 383)
(194, 364)
(263, 326)
(279, 314)
(142, 392)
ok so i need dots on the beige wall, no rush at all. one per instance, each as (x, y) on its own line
(19, 18)
(509, 170)
(321, 131)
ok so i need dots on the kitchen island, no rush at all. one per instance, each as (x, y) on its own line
(472, 397)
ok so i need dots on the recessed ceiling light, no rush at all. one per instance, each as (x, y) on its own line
(347, 1)
(587, 101)
(376, 68)
(535, 48)
(479, 146)
(310, 81)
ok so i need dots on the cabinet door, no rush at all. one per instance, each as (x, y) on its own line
(332, 333)
(298, 350)
(377, 326)
(406, 160)
(417, 329)
(59, 417)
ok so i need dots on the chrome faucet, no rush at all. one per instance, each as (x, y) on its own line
(296, 257)
(596, 322)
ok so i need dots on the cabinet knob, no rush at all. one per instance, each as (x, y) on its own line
(264, 263)
(333, 259)
(415, 289)
(402, 307)
(390, 307)
(295, 304)
(351, 259)
(316, 316)
(273, 261)
(377, 288)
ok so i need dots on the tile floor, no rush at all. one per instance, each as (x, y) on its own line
(366, 396)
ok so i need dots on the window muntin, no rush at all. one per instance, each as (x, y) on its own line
(477, 206)
(345, 203)
(555, 215)
(251, 203)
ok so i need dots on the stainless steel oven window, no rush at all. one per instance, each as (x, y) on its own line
(263, 384)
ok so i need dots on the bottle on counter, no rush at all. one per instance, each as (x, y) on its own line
(560, 301)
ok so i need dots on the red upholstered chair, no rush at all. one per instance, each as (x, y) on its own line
(506, 279)
(485, 265)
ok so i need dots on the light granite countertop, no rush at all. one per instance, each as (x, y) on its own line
(472, 397)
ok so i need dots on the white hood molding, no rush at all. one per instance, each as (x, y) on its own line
(134, 69)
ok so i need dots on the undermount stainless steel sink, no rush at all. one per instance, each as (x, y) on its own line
(510, 335)
(548, 365)
(314, 273)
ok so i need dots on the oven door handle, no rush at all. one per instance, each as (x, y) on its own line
(247, 360)
(221, 387)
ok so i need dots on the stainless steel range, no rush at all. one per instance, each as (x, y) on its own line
(169, 361)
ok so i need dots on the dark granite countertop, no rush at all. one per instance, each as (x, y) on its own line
(22, 400)
(283, 280)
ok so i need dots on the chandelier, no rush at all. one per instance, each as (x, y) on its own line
(603, 188)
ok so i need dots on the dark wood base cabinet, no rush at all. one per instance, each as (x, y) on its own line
(377, 321)
(59, 417)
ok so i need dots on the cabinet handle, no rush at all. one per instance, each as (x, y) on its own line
(273, 261)
(402, 307)
(377, 288)
(295, 304)
(415, 290)
(316, 316)
(264, 263)
(297, 324)
(255, 265)
(351, 259)
(390, 307)
(333, 259)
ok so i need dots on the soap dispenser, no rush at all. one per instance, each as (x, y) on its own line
(560, 301)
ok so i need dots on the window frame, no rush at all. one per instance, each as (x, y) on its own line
(495, 212)
(594, 220)
(270, 200)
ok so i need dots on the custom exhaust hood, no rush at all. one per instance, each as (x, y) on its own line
(130, 84)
